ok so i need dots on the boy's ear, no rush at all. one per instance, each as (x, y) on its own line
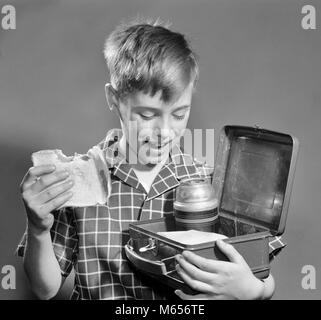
(111, 96)
(112, 99)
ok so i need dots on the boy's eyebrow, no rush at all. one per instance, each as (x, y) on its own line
(150, 108)
(182, 107)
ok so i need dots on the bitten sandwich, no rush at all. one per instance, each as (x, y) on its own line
(89, 173)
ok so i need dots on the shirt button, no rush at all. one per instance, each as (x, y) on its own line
(116, 153)
(116, 138)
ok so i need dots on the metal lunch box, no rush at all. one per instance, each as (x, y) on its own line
(252, 181)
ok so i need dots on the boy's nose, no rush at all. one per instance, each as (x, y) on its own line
(163, 131)
(164, 135)
(163, 124)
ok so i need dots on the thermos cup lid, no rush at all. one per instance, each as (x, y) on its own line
(195, 194)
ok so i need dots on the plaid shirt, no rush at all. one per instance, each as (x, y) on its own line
(92, 239)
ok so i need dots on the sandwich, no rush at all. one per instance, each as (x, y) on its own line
(88, 171)
(192, 237)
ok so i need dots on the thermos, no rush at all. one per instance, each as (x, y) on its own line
(195, 206)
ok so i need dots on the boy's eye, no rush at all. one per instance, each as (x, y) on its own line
(147, 115)
(179, 116)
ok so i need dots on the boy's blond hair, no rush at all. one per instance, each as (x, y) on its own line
(146, 56)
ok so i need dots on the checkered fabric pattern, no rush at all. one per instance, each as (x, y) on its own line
(91, 240)
(276, 244)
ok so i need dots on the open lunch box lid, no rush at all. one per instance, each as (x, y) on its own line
(253, 175)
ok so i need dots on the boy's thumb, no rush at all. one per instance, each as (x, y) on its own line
(231, 253)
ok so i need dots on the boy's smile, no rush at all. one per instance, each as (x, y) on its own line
(151, 127)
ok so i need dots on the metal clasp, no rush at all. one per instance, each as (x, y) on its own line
(151, 245)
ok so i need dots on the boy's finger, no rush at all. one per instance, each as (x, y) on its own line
(33, 174)
(194, 272)
(185, 296)
(40, 170)
(193, 283)
(231, 253)
(57, 202)
(47, 180)
(51, 193)
(209, 265)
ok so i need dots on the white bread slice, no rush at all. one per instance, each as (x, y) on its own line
(89, 172)
(192, 237)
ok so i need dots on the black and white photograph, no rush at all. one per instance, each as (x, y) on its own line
(162, 150)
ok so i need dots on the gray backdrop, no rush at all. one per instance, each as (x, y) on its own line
(257, 66)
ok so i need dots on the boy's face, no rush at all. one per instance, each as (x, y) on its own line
(151, 126)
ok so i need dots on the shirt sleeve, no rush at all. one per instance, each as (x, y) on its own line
(64, 240)
(276, 244)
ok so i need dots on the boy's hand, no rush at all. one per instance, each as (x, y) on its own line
(216, 279)
(42, 194)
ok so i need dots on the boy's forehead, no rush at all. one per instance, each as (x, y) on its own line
(146, 100)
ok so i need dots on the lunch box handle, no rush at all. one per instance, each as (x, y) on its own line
(154, 267)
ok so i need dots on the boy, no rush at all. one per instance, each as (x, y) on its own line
(153, 74)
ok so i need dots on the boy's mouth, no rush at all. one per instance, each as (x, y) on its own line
(156, 145)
